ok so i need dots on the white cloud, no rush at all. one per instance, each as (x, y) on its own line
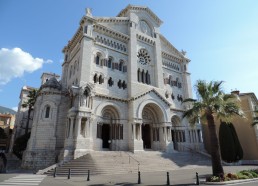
(15, 62)
(15, 109)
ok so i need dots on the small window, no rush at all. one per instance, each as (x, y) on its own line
(109, 62)
(47, 112)
(97, 59)
(121, 65)
(110, 82)
(95, 78)
(119, 83)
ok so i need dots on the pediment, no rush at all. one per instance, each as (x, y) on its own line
(136, 9)
(156, 93)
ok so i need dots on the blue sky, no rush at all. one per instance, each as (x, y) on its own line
(220, 37)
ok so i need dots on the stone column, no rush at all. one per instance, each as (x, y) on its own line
(78, 126)
(71, 127)
(165, 133)
(140, 131)
(87, 128)
(134, 131)
(169, 133)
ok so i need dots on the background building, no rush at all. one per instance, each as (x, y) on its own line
(247, 134)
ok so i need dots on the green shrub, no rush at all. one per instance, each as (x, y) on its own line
(242, 176)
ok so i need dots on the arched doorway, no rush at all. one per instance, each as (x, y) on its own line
(109, 128)
(152, 119)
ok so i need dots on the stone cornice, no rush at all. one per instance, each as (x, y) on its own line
(137, 9)
(112, 19)
(149, 91)
(167, 43)
(134, 98)
(171, 57)
(145, 39)
(110, 32)
(75, 39)
(64, 93)
(111, 98)
(178, 110)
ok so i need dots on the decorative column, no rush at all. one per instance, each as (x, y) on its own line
(165, 133)
(78, 126)
(140, 131)
(87, 131)
(134, 131)
(71, 127)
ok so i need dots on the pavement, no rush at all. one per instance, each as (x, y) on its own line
(181, 176)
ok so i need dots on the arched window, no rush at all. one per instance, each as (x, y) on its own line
(95, 78)
(139, 75)
(109, 62)
(47, 111)
(147, 77)
(101, 79)
(110, 82)
(121, 63)
(143, 76)
(97, 59)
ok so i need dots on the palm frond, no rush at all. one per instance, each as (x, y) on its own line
(189, 100)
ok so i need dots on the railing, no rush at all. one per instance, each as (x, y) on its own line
(129, 156)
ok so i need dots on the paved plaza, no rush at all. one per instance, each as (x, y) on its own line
(176, 177)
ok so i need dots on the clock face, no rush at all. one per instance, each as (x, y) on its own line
(143, 57)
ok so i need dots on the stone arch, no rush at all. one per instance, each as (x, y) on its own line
(160, 110)
(107, 104)
(176, 121)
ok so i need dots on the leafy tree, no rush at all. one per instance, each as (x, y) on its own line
(2, 134)
(20, 144)
(30, 104)
(212, 103)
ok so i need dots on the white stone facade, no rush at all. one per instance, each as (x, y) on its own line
(122, 88)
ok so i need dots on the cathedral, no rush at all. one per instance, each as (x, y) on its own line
(121, 89)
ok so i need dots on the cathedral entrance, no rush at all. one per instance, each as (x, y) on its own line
(105, 135)
(152, 120)
(146, 136)
(109, 128)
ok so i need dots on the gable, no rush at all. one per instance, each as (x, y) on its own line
(153, 91)
(140, 9)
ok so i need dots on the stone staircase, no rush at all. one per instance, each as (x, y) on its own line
(115, 162)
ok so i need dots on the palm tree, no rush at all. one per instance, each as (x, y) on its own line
(212, 103)
(30, 103)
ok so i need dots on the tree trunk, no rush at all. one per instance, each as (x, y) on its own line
(28, 121)
(217, 169)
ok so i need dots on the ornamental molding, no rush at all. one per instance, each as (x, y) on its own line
(171, 57)
(148, 92)
(62, 93)
(139, 9)
(112, 20)
(111, 33)
(165, 42)
(75, 39)
(111, 98)
(145, 39)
